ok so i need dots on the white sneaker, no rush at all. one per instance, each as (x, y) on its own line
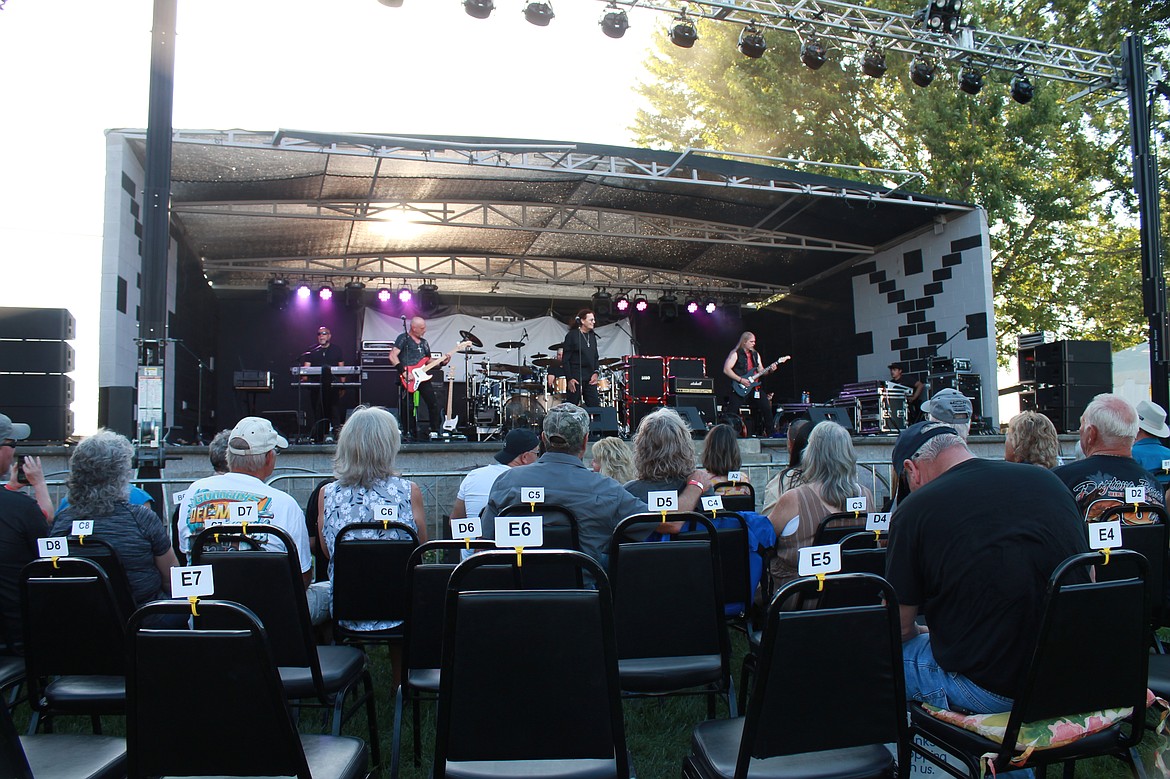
(434, 436)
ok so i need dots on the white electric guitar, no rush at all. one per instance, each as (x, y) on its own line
(450, 423)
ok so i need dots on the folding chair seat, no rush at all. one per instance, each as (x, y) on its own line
(68, 604)
(828, 698)
(270, 584)
(529, 683)
(56, 756)
(210, 702)
(369, 580)
(1082, 623)
(734, 545)
(737, 496)
(560, 532)
(668, 607)
(836, 526)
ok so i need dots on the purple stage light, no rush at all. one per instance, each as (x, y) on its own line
(326, 293)
(693, 307)
(404, 295)
(303, 292)
(640, 305)
(384, 295)
(710, 307)
(623, 305)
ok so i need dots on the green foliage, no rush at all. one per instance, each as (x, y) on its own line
(1054, 175)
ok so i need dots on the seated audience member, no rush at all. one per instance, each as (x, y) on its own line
(664, 459)
(952, 408)
(1031, 439)
(366, 480)
(135, 495)
(597, 501)
(788, 478)
(612, 457)
(720, 457)
(1108, 428)
(521, 447)
(1148, 448)
(251, 458)
(22, 522)
(217, 454)
(98, 482)
(972, 546)
(830, 478)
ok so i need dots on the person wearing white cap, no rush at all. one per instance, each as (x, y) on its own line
(21, 524)
(251, 456)
(1148, 449)
(952, 408)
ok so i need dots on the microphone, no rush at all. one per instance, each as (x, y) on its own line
(525, 336)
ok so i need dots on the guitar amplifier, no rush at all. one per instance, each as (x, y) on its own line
(645, 377)
(371, 359)
(689, 367)
(677, 385)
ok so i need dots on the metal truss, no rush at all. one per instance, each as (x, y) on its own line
(538, 218)
(861, 27)
(482, 273)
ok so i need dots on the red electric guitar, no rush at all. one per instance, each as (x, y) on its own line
(414, 375)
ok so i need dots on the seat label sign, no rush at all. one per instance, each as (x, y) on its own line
(194, 581)
(856, 505)
(532, 494)
(57, 546)
(662, 500)
(523, 532)
(466, 527)
(712, 503)
(878, 522)
(386, 513)
(82, 527)
(1105, 535)
(819, 560)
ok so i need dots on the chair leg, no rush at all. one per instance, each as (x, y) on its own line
(396, 738)
(372, 718)
(95, 722)
(732, 707)
(416, 708)
(34, 722)
(711, 704)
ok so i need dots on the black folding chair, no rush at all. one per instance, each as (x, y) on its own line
(59, 756)
(270, 584)
(560, 532)
(74, 630)
(1150, 541)
(369, 580)
(210, 702)
(733, 500)
(529, 683)
(734, 545)
(668, 606)
(104, 555)
(838, 525)
(1083, 622)
(828, 698)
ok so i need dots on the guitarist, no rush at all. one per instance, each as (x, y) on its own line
(743, 362)
(410, 349)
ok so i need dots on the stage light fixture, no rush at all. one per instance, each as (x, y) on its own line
(602, 303)
(303, 291)
(278, 293)
(970, 80)
(668, 307)
(325, 292)
(813, 53)
(710, 306)
(1022, 89)
(942, 16)
(428, 298)
(404, 294)
(641, 304)
(922, 71)
(479, 9)
(692, 306)
(751, 42)
(873, 63)
(539, 13)
(614, 21)
(683, 32)
(384, 294)
(354, 294)
(622, 303)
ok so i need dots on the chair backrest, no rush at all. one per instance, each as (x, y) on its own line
(1151, 541)
(104, 555)
(68, 604)
(1083, 623)
(207, 702)
(523, 668)
(369, 574)
(270, 584)
(829, 678)
(836, 526)
(860, 553)
(668, 597)
(13, 762)
(734, 546)
(737, 496)
(560, 532)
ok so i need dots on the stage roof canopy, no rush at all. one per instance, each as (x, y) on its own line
(522, 217)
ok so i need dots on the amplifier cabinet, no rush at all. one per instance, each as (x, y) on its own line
(645, 376)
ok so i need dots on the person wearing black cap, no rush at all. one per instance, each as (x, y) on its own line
(973, 546)
(21, 524)
(521, 447)
(914, 384)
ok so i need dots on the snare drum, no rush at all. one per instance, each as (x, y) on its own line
(603, 384)
(562, 385)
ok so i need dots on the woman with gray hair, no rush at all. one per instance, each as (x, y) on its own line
(99, 482)
(829, 479)
(664, 459)
(366, 481)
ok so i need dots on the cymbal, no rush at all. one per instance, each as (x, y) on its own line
(555, 347)
(531, 385)
(467, 335)
(523, 370)
(547, 362)
(608, 361)
(471, 351)
(538, 356)
(510, 345)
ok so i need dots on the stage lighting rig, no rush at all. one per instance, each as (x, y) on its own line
(692, 306)
(303, 291)
(1022, 89)
(354, 293)
(942, 16)
(710, 306)
(384, 294)
(683, 32)
(325, 292)
(751, 42)
(622, 303)
(873, 63)
(641, 304)
(922, 71)
(480, 9)
(602, 303)
(668, 307)
(614, 21)
(405, 294)
(813, 53)
(428, 298)
(539, 12)
(970, 80)
(278, 293)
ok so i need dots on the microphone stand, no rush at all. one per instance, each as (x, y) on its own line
(931, 357)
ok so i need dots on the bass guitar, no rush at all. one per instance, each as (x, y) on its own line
(743, 391)
(414, 375)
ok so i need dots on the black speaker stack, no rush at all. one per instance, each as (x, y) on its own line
(1063, 377)
(34, 361)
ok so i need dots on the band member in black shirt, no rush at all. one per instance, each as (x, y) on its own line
(579, 363)
(913, 383)
(741, 365)
(323, 400)
(412, 350)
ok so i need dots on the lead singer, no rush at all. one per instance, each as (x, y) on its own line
(579, 360)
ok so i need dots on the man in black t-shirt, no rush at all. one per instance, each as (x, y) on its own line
(21, 524)
(1099, 481)
(324, 400)
(973, 546)
(914, 384)
(412, 350)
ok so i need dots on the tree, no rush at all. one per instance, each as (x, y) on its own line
(1054, 175)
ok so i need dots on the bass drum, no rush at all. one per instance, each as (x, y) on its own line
(524, 411)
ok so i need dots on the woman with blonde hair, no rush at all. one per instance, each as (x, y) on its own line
(612, 457)
(1031, 438)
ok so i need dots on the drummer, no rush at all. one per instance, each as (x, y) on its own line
(579, 362)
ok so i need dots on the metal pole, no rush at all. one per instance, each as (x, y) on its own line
(1145, 184)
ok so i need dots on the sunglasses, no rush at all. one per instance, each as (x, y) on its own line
(9, 444)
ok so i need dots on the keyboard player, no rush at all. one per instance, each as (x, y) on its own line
(323, 400)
